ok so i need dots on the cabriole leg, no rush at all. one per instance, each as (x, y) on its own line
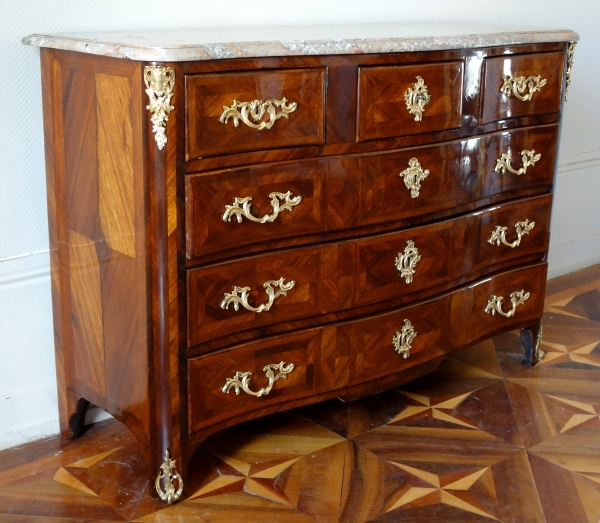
(531, 338)
(77, 419)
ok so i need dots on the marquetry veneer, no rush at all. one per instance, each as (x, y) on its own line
(161, 277)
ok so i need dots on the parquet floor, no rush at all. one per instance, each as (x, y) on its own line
(483, 439)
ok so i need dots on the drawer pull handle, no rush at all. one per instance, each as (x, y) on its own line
(498, 235)
(522, 87)
(528, 159)
(241, 380)
(236, 298)
(245, 210)
(413, 176)
(256, 110)
(403, 339)
(416, 98)
(406, 262)
(494, 304)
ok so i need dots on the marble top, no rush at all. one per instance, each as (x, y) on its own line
(222, 43)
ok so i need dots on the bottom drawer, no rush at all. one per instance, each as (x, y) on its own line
(264, 374)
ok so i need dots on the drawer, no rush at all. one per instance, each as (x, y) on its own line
(232, 297)
(408, 99)
(254, 204)
(393, 342)
(235, 112)
(395, 264)
(252, 292)
(521, 159)
(497, 303)
(334, 357)
(521, 85)
(422, 180)
(339, 193)
(426, 331)
(508, 231)
(210, 399)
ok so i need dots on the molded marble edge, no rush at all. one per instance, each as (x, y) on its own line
(224, 43)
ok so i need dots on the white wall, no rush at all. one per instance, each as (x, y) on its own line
(27, 383)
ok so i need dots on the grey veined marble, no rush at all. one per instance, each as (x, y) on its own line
(217, 43)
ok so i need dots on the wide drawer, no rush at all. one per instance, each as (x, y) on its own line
(209, 400)
(412, 182)
(262, 290)
(263, 374)
(408, 99)
(254, 204)
(234, 112)
(521, 85)
(257, 204)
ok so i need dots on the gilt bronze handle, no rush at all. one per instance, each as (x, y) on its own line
(239, 295)
(498, 235)
(241, 207)
(528, 159)
(494, 304)
(252, 113)
(241, 380)
(522, 87)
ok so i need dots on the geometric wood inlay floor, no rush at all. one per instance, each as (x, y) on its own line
(483, 439)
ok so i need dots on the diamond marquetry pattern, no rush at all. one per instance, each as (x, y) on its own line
(484, 439)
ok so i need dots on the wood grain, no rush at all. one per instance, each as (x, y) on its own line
(355, 273)
(207, 288)
(373, 354)
(360, 191)
(141, 257)
(115, 162)
(209, 194)
(97, 194)
(208, 95)
(208, 403)
(517, 443)
(497, 106)
(86, 299)
(382, 111)
(453, 320)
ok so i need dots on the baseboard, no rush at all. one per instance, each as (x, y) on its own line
(33, 414)
(573, 255)
(28, 397)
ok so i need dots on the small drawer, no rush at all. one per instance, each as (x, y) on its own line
(254, 204)
(418, 181)
(392, 342)
(409, 99)
(521, 85)
(493, 304)
(225, 385)
(521, 159)
(396, 264)
(509, 231)
(236, 112)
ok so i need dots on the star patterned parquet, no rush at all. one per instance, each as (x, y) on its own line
(483, 439)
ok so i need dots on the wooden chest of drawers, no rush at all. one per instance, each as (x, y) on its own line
(237, 236)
